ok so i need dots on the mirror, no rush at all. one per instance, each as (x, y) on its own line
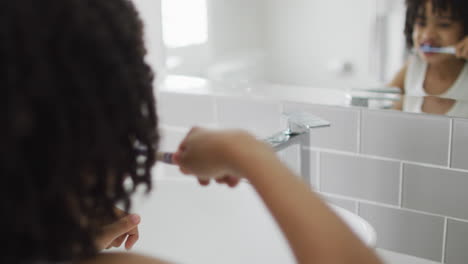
(336, 45)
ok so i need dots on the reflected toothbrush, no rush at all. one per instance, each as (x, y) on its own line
(446, 50)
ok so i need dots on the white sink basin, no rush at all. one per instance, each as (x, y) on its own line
(185, 223)
(360, 226)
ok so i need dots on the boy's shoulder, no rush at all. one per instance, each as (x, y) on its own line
(122, 258)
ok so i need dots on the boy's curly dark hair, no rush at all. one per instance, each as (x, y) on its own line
(458, 8)
(77, 117)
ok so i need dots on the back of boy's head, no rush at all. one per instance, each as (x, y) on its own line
(77, 117)
(458, 9)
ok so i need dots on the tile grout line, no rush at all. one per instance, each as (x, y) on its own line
(400, 190)
(367, 156)
(392, 206)
(450, 143)
(444, 240)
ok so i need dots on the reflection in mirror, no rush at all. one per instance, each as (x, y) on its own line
(328, 44)
(435, 32)
(354, 47)
(432, 105)
(390, 99)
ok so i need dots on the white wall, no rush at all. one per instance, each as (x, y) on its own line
(305, 36)
(396, 37)
(236, 26)
(300, 39)
(235, 30)
(150, 12)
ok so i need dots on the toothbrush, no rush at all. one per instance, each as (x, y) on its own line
(165, 157)
(446, 50)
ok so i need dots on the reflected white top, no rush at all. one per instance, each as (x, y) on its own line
(416, 74)
(413, 104)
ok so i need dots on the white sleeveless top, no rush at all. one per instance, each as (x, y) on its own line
(416, 74)
(413, 104)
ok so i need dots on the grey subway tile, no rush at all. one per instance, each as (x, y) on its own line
(359, 177)
(460, 144)
(405, 136)
(406, 232)
(349, 205)
(434, 190)
(457, 240)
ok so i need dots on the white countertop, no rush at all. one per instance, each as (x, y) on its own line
(382, 98)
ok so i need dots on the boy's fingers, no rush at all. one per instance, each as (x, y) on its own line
(220, 180)
(118, 241)
(232, 181)
(132, 238)
(184, 170)
(459, 49)
(122, 226)
(112, 234)
(204, 182)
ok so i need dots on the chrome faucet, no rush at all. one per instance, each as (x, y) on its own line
(299, 125)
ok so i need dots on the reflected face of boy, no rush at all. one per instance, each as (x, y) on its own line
(437, 29)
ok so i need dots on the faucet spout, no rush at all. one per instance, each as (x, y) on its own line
(299, 125)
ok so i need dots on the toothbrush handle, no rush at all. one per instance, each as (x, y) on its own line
(165, 157)
(448, 50)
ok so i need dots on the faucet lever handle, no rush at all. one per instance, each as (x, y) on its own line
(300, 122)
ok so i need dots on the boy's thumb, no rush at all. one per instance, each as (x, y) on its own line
(123, 225)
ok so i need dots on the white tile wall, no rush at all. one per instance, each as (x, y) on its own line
(405, 173)
(406, 136)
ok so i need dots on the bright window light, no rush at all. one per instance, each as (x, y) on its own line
(184, 22)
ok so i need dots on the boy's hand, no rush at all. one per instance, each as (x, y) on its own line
(461, 49)
(230, 181)
(204, 153)
(124, 229)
